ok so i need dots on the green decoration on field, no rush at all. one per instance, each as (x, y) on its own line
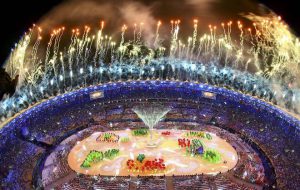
(140, 132)
(96, 156)
(141, 157)
(212, 156)
(124, 139)
(195, 134)
(208, 136)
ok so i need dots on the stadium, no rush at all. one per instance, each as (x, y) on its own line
(206, 112)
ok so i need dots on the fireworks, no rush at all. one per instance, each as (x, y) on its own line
(230, 55)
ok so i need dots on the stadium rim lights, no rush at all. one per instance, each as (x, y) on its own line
(209, 95)
(96, 95)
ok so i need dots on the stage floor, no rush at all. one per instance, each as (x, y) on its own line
(175, 158)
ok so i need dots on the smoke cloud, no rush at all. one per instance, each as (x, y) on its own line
(77, 13)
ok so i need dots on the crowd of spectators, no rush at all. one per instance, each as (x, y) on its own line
(274, 138)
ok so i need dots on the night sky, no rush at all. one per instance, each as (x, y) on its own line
(18, 16)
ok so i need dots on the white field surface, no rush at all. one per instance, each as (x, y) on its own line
(175, 158)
